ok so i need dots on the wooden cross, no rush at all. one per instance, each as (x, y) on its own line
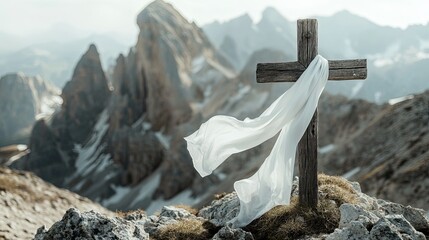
(290, 72)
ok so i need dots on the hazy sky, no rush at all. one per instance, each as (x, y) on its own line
(29, 17)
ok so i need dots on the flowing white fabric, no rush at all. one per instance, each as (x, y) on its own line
(222, 136)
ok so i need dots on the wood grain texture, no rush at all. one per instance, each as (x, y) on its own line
(290, 71)
(307, 146)
(307, 165)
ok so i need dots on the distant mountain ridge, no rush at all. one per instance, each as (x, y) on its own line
(54, 60)
(394, 54)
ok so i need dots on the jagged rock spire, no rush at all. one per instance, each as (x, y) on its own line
(85, 95)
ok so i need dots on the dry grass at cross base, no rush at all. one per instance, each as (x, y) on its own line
(292, 221)
(187, 229)
(282, 222)
(195, 229)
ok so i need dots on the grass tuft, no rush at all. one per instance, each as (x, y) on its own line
(192, 229)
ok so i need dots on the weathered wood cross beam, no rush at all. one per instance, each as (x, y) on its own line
(290, 72)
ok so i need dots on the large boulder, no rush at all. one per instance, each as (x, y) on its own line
(92, 225)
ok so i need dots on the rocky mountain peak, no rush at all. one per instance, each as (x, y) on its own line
(244, 19)
(160, 11)
(24, 99)
(161, 21)
(178, 49)
(273, 14)
(89, 63)
(86, 94)
(118, 75)
(351, 19)
(14, 76)
(92, 52)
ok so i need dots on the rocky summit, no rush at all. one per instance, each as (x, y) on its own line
(345, 213)
(27, 203)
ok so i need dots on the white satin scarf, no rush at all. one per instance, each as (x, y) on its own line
(222, 136)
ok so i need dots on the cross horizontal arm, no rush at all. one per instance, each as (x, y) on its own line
(290, 72)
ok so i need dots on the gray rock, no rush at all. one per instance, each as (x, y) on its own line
(395, 227)
(219, 212)
(354, 230)
(92, 225)
(356, 187)
(350, 213)
(368, 203)
(175, 213)
(153, 223)
(405, 227)
(228, 232)
(415, 216)
(384, 230)
(169, 215)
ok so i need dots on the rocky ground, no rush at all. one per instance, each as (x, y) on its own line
(344, 212)
(27, 202)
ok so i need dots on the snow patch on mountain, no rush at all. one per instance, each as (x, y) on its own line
(400, 99)
(88, 156)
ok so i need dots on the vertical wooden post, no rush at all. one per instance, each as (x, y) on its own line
(307, 147)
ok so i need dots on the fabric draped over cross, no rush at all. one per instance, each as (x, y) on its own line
(290, 114)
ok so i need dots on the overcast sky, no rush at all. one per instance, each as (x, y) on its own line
(28, 17)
